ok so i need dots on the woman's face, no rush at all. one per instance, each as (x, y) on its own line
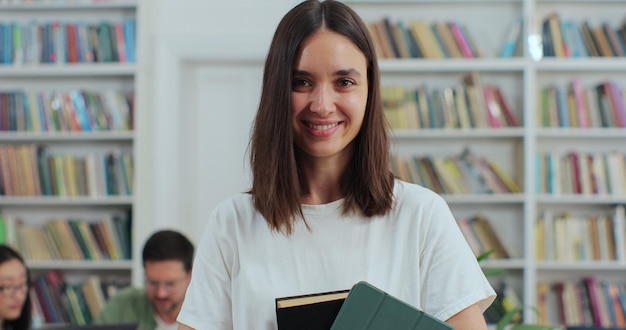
(13, 289)
(329, 94)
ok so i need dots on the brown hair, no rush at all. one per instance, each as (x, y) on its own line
(166, 245)
(277, 183)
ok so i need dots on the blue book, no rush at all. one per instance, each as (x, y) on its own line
(513, 37)
(81, 110)
(2, 43)
(7, 47)
(129, 37)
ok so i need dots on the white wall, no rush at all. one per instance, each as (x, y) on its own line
(198, 86)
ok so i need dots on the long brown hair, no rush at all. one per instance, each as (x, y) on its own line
(277, 183)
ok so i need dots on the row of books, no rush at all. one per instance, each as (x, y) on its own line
(55, 301)
(563, 236)
(567, 38)
(106, 238)
(465, 173)
(482, 238)
(421, 39)
(448, 107)
(574, 105)
(73, 111)
(581, 173)
(68, 42)
(32, 170)
(589, 302)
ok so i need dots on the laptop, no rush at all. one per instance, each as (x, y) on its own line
(110, 326)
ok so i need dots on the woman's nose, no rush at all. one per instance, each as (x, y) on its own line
(322, 101)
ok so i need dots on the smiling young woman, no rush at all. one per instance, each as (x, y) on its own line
(324, 211)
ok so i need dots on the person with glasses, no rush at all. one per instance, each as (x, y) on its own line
(15, 306)
(167, 260)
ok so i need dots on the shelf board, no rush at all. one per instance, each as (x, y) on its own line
(68, 5)
(429, 1)
(502, 263)
(580, 199)
(65, 201)
(447, 133)
(578, 1)
(411, 65)
(582, 133)
(65, 136)
(80, 264)
(592, 64)
(578, 265)
(68, 70)
(484, 198)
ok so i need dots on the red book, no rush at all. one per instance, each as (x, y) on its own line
(71, 38)
(597, 302)
(121, 42)
(506, 109)
(581, 107)
(70, 113)
(494, 113)
(573, 157)
(559, 288)
(460, 40)
(615, 98)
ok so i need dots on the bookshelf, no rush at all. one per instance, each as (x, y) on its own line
(514, 216)
(96, 167)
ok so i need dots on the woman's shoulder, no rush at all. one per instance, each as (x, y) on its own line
(238, 202)
(234, 209)
(403, 189)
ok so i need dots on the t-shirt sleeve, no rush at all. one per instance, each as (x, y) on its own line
(207, 303)
(451, 278)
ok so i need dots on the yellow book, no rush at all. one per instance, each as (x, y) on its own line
(462, 107)
(426, 39)
(557, 36)
(505, 178)
(70, 174)
(89, 239)
(460, 182)
(447, 38)
(540, 231)
(92, 290)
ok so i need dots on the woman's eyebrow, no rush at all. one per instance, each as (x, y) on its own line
(342, 72)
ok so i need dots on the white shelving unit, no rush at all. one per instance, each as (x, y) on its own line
(65, 77)
(513, 215)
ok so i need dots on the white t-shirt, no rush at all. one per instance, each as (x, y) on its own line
(416, 253)
(162, 325)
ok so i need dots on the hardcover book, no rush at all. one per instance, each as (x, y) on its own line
(369, 308)
(309, 312)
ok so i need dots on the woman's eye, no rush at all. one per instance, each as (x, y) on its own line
(300, 83)
(346, 82)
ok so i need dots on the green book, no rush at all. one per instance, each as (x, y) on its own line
(3, 230)
(369, 308)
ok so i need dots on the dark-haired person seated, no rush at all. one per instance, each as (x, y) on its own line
(15, 306)
(167, 258)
